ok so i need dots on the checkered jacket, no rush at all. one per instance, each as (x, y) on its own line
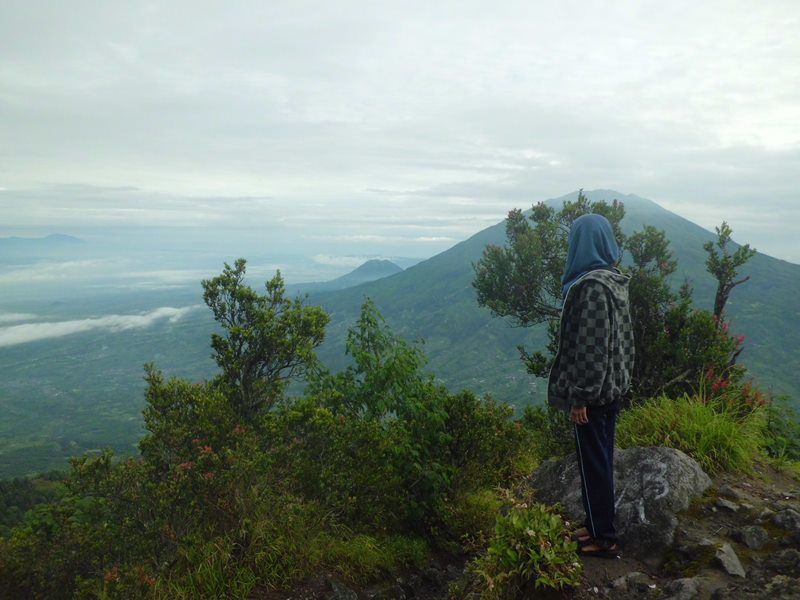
(595, 356)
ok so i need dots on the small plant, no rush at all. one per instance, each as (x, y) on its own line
(530, 550)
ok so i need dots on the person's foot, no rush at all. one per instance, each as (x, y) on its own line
(581, 535)
(600, 550)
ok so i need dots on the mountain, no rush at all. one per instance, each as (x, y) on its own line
(467, 347)
(369, 271)
(56, 244)
(48, 241)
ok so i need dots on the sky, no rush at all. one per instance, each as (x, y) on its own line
(347, 129)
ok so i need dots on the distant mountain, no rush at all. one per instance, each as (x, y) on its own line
(14, 247)
(54, 239)
(371, 270)
(434, 300)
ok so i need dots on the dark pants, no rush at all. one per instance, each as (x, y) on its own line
(594, 443)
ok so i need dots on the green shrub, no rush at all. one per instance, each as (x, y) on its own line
(468, 520)
(486, 447)
(551, 431)
(530, 550)
(712, 431)
(782, 430)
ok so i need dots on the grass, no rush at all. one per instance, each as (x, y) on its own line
(715, 435)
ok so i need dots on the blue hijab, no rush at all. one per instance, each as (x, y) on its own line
(591, 246)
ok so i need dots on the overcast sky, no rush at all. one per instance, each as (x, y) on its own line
(394, 125)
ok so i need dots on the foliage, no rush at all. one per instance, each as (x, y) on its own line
(409, 447)
(782, 430)
(530, 550)
(712, 429)
(675, 343)
(688, 345)
(362, 476)
(723, 265)
(267, 339)
(386, 390)
(522, 280)
(19, 495)
(551, 431)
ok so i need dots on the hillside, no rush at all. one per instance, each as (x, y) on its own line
(369, 271)
(434, 300)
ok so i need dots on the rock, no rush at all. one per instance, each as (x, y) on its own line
(781, 587)
(786, 562)
(632, 582)
(701, 551)
(652, 484)
(340, 592)
(752, 536)
(687, 588)
(728, 560)
(729, 492)
(765, 515)
(788, 519)
(727, 505)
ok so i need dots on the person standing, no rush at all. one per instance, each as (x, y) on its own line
(592, 370)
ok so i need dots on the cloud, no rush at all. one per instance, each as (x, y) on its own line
(302, 123)
(14, 317)
(46, 272)
(30, 332)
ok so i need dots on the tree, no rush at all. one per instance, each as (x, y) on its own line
(723, 266)
(267, 338)
(521, 281)
(675, 343)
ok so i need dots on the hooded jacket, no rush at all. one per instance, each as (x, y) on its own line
(594, 362)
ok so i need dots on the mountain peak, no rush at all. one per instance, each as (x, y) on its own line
(375, 266)
(607, 195)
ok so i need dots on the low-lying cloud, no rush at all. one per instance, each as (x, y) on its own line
(16, 317)
(31, 332)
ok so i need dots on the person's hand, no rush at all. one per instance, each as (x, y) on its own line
(578, 415)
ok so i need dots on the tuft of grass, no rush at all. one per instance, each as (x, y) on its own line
(717, 436)
(214, 574)
(362, 558)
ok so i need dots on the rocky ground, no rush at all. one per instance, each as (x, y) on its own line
(741, 539)
(738, 539)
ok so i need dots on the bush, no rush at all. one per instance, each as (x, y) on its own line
(711, 430)
(468, 520)
(551, 431)
(530, 549)
(782, 430)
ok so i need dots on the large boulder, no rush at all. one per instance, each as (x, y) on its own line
(652, 484)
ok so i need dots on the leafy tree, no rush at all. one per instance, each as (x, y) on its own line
(724, 265)
(676, 344)
(522, 280)
(267, 338)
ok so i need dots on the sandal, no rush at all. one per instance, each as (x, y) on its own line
(581, 535)
(600, 549)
